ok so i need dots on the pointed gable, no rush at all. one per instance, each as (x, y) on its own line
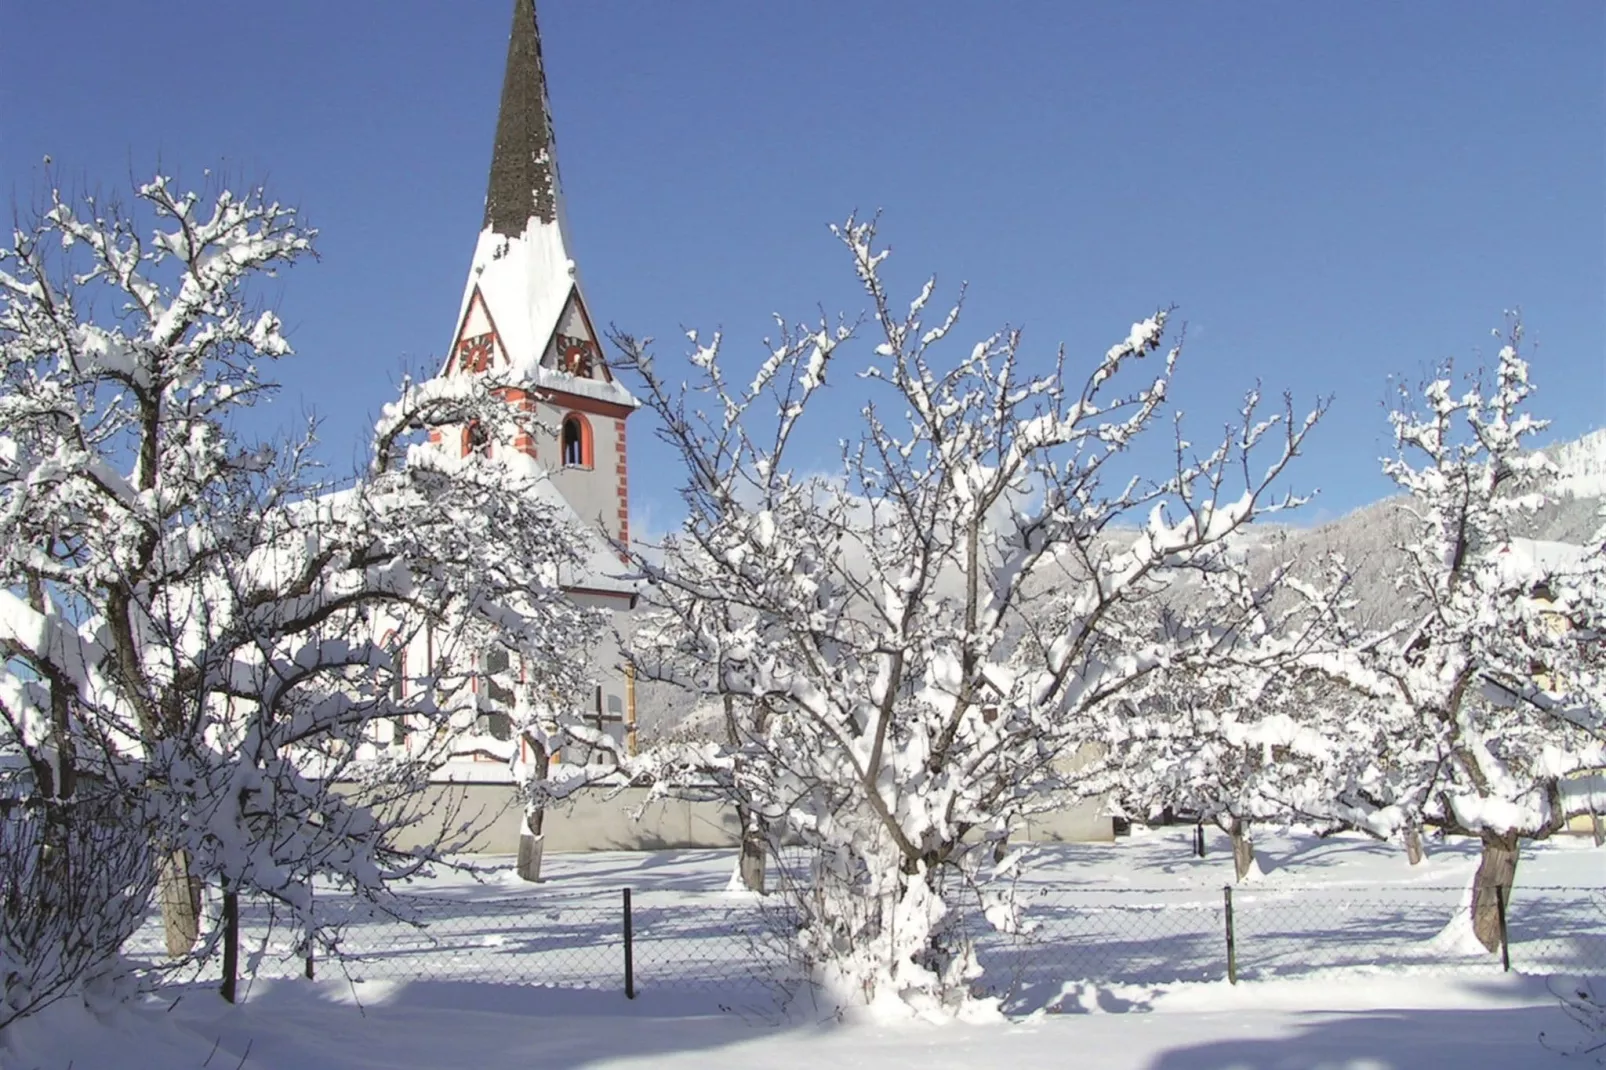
(575, 348)
(476, 347)
(522, 279)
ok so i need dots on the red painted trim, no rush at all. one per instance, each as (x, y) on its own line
(630, 599)
(622, 471)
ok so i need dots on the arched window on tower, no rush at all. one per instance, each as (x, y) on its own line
(476, 441)
(576, 442)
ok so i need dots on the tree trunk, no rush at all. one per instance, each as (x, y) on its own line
(1243, 851)
(180, 899)
(1497, 868)
(751, 864)
(1598, 827)
(1413, 845)
(530, 844)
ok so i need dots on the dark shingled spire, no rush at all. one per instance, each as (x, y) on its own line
(524, 174)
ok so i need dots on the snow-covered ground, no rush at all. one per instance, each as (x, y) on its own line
(1344, 964)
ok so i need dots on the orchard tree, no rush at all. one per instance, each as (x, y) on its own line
(933, 630)
(1485, 698)
(189, 617)
(525, 656)
(1255, 751)
(715, 765)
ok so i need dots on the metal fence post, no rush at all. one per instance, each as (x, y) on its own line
(1232, 945)
(231, 942)
(630, 951)
(1500, 893)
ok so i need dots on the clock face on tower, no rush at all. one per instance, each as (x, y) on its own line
(474, 354)
(576, 355)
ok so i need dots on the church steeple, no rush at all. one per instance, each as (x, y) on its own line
(524, 319)
(523, 314)
(524, 169)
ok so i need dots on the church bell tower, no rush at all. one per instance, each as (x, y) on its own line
(523, 317)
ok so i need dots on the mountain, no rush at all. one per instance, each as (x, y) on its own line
(1368, 537)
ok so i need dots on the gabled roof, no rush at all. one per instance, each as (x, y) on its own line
(1530, 562)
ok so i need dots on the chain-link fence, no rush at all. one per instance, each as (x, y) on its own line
(1155, 936)
(548, 940)
(670, 940)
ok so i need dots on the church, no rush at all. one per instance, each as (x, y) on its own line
(523, 316)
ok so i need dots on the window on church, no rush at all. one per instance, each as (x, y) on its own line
(495, 697)
(576, 442)
(476, 441)
(398, 669)
(398, 687)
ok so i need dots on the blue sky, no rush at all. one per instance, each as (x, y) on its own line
(1329, 193)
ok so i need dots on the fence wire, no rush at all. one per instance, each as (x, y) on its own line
(1151, 936)
(1104, 936)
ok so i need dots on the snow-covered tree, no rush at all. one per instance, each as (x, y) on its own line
(522, 668)
(1236, 754)
(933, 629)
(1482, 701)
(189, 618)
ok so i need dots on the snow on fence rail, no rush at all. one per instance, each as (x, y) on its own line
(1110, 936)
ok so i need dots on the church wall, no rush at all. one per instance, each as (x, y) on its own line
(607, 661)
(598, 492)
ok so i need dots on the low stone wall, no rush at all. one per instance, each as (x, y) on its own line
(600, 820)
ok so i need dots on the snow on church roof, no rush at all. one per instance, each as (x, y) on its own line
(522, 270)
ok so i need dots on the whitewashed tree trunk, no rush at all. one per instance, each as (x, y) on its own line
(530, 846)
(750, 863)
(530, 839)
(1413, 845)
(1497, 869)
(180, 899)
(1243, 848)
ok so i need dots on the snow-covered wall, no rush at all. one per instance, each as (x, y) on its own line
(599, 820)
